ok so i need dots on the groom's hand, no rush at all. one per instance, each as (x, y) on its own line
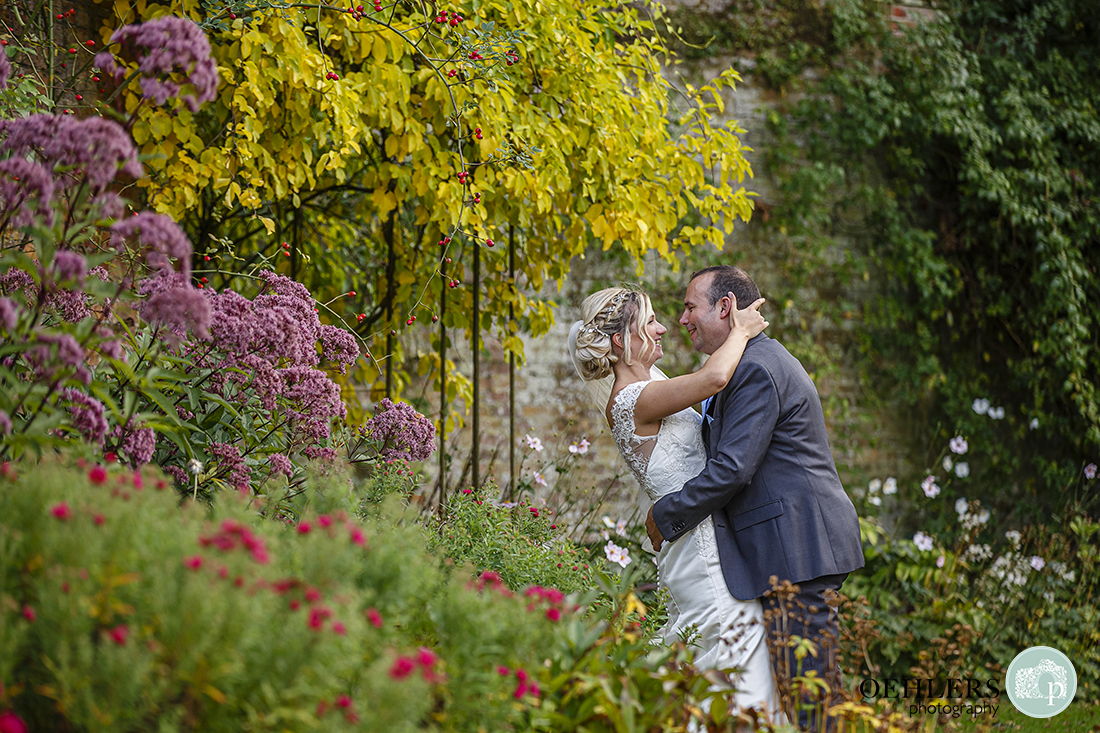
(655, 535)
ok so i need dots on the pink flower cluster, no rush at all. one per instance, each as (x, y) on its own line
(553, 598)
(232, 535)
(425, 660)
(524, 684)
(342, 702)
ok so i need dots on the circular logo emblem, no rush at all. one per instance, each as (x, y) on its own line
(1041, 682)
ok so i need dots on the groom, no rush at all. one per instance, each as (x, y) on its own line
(770, 482)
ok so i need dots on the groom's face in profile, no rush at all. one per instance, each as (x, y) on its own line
(703, 321)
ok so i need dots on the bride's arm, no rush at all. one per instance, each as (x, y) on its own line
(662, 398)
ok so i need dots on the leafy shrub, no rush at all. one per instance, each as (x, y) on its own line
(118, 609)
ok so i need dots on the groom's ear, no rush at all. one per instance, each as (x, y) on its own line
(725, 306)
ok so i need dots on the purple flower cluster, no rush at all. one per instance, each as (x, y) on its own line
(5, 70)
(98, 147)
(166, 47)
(404, 434)
(88, 415)
(172, 303)
(339, 346)
(69, 267)
(163, 238)
(16, 280)
(280, 464)
(26, 188)
(5, 423)
(316, 401)
(9, 314)
(230, 459)
(55, 352)
(138, 443)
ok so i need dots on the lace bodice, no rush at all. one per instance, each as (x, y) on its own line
(661, 462)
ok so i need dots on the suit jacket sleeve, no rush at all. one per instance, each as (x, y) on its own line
(749, 413)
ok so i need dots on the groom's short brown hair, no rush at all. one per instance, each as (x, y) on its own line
(730, 279)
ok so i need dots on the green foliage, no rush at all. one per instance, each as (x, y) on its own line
(519, 541)
(120, 610)
(940, 169)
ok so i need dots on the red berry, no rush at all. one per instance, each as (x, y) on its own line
(448, 260)
(78, 97)
(489, 242)
(89, 43)
(204, 279)
(206, 258)
(232, 16)
(409, 322)
(95, 78)
(435, 318)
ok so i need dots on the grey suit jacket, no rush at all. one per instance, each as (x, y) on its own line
(770, 481)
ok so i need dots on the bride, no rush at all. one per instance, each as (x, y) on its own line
(652, 420)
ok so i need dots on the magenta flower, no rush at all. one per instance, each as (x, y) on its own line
(9, 721)
(402, 668)
(119, 634)
(62, 511)
(193, 563)
(374, 618)
(358, 538)
(97, 475)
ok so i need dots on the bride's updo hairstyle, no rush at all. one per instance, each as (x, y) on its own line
(606, 313)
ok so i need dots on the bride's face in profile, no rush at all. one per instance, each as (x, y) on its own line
(655, 330)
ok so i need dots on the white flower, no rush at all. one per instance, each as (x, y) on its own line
(980, 406)
(874, 486)
(617, 554)
(958, 445)
(962, 470)
(961, 505)
(605, 534)
(194, 466)
(607, 522)
(538, 478)
(983, 516)
(1049, 596)
(580, 448)
(1013, 536)
(620, 527)
(1037, 562)
(948, 464)
(996, 413)
(979, 552)
(922, 541)
(1034, 424)
(533, 443)
(940, 561)
(890, 486)
(929, 487)
(1090, 471)
(876, 500)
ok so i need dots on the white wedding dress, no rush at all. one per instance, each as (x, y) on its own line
(730, 632)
